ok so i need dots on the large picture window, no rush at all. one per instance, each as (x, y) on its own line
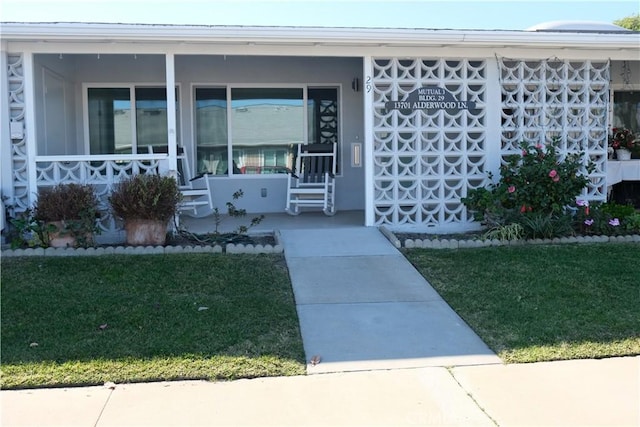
(265, 126)
(211, 130)
(626, 110)
(117, 128)
(260, 127)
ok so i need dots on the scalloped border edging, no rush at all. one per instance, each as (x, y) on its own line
(150, 250)
(461, 244)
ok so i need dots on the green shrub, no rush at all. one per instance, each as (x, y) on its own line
(537, 225)
(615, 210)
(534, 190)
(513, 231)
(632, 223)
(607, 219)
(66, 202)
(146, 196)
(74, 209)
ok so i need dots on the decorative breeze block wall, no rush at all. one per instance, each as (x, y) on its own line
(555, 99)
(424, 162)
(19, 159)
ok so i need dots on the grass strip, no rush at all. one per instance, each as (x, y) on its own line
(87, 320)
(538, 303)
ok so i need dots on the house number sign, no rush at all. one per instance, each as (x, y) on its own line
(432, 99)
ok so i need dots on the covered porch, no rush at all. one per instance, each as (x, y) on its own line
(93, 116)
(276, 221)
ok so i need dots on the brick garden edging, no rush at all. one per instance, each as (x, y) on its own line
(456, 244)
(149, 250)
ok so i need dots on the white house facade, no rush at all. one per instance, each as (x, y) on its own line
(419, 116)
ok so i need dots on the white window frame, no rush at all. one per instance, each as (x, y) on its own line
(229, 86)
(132, 92)
(619, 87)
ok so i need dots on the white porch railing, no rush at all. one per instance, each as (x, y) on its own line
(100, 171)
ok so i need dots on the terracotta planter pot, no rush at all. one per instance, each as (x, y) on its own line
(145, 232)
(58, 240)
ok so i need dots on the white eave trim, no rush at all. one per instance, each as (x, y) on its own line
(123, 33)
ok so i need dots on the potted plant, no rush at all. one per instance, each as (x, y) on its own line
(146, 203)
(623, 142)
(67, 214)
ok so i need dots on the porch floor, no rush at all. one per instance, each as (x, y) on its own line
(275, 221)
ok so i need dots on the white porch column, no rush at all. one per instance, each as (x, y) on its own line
(369, 213)
(171, 112)
(30, 125)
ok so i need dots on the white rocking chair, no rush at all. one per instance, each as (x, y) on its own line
(312, 182)
(197, 198)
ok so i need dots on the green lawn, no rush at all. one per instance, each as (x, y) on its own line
(88, 320)
(539, 303)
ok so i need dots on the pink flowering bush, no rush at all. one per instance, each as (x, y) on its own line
(542, 182)
(535, 181)
(541, 193)
(534, 190)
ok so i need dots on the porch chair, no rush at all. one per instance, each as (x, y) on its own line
(312, 182)
(197, 199)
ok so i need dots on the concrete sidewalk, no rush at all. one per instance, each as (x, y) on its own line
(363, 306)
(572, 393)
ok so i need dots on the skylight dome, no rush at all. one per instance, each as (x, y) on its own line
(578, 26)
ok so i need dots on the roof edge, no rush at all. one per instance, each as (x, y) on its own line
(59, 31)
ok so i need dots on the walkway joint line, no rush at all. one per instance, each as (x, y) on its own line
(106, 402)
(468, 393)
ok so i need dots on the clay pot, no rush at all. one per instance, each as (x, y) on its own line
(57, 239)
(145, 232)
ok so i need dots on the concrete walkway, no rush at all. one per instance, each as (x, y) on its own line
(363, 306)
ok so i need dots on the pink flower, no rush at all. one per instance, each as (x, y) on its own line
(553, 173)
(588, 222)
(523, 209)
(524, 153)
(511, 189)
(585, 205)
(614, 222)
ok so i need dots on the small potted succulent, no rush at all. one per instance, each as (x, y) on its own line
(67, 214)
(146, 203)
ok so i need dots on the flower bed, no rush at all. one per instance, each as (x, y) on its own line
(475, 240)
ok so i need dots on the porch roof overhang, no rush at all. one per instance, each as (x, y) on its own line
(621, 44)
